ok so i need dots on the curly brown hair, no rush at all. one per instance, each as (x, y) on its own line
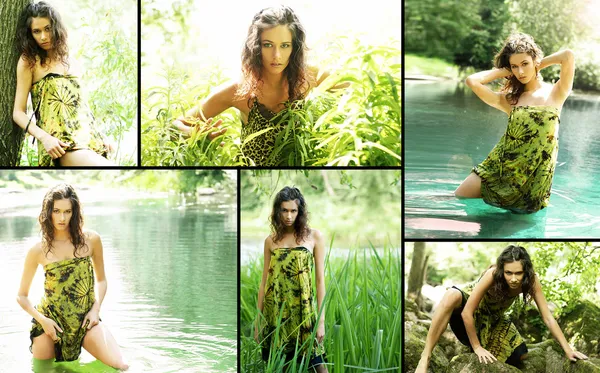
(516, 43)
(26, 44)
(296, 71)
(301, 228)
(513, 253)
(61, 191)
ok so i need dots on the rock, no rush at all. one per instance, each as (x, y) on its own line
(544, 357)
(415, 335)
(469, 363)
(580, 327)
(548, 357)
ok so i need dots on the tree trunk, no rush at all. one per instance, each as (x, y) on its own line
(11, 135)
(416, 276)
(328, 187)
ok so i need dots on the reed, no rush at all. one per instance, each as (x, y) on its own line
(362, 320)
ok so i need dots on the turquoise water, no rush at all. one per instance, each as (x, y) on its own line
(448, 130)
(172, 295)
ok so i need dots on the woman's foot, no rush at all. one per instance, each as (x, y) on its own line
(423, 365)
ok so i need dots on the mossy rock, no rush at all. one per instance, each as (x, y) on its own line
(580, 327)
(469, 363)
(548, 357)
(415, 335)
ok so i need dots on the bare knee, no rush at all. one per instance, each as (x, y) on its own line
(43, 347)
(452, 299)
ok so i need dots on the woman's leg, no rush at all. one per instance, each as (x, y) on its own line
(100, 344)
(452, 299)
(43, 347)
(470, 187)
(84, 157)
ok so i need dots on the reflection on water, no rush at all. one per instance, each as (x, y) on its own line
(449, 130)
(171, 300)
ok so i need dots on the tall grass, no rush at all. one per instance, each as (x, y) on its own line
(359, 125)
(362, 315)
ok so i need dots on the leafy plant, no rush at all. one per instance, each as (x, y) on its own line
(356, 126)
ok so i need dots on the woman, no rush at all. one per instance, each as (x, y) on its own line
(275, 75)
(290, 252)
(517, 174)
(67, 317)
(65, 125)
(476, 312)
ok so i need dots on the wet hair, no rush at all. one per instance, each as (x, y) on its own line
(301, 228)
(295, 71)
(516, 43)
(61, 191)
(26, 44)
(512, 254)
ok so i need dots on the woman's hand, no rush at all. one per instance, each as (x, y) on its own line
(50, 328)
(92, 318)
(484, 355)
(53, 146)
(188, 124)
(575, 355)
(320, 333)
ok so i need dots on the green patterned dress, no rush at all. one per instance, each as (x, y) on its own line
(62, 113)
(260, 148)
(495, 330)
(289, 290)
(517, 174)
(68, 297)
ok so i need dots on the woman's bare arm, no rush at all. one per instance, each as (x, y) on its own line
(53, 146)
(484, 284)
(477, 83)
(216, 103)
(540, 301)
(318, 76)
(564, 85)
(263, 281)
(319, 254)
(266, 265)
(98, 261)
(31, 263)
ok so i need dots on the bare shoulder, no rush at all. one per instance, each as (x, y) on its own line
(75, 68)
(316, 76)
(36, 250)
(269, 241)
(489, 273)
(92, 236)
(316, 234)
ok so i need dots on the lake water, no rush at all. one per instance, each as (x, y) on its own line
(172, 285)
(448, 130)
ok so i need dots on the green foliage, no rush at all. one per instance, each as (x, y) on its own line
(362, 320)
(437, 28)
(111, 72)
(348, 203)
(359, 125)
(107, 52)
(482, 42)
(567, 270)
(469, 33)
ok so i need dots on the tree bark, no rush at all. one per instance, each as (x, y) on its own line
(416, 276)
(11, 135)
